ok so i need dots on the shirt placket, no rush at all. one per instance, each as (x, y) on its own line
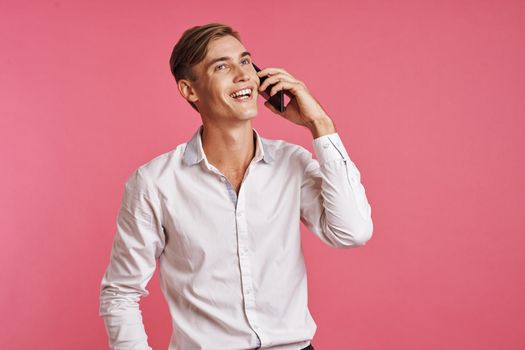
(244, 252)
(245, 262)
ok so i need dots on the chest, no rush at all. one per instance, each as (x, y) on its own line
(202, 222)
(235, 179)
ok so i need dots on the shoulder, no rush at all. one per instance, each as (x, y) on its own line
(153, 169)
(285, 151)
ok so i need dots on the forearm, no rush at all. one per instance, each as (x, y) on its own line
(321, 126)
(122, 317)
(334, 203)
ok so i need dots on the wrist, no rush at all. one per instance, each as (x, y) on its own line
(320, 127)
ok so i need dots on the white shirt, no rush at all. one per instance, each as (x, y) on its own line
(231, 267)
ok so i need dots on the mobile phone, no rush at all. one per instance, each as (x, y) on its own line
(276, 100)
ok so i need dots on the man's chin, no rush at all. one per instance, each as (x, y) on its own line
(247, 114)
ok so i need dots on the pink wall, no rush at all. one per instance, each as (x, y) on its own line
(427, 96)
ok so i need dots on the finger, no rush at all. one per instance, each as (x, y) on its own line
(272, 108)
(288, 93)
(272, 71)
(285, 85)
(275, 79)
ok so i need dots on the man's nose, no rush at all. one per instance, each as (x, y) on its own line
(241, 72)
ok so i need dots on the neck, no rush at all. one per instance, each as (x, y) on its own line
(229, 148)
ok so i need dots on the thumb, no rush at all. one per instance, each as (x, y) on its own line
(271, 107)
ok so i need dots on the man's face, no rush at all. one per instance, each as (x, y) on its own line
(226, 69)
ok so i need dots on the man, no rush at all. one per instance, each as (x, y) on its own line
(222, 212)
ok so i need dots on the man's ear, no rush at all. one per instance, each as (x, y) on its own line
(187, 90)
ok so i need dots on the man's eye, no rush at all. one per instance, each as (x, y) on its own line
(219, 67)
(246, 60)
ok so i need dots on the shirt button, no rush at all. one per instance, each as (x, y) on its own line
(223, 179)
(326, 145)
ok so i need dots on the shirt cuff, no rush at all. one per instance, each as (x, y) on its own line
(329, 147)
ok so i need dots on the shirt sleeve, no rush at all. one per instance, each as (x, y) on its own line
(333, 200)
(138, 242)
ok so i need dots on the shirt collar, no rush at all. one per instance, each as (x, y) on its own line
(194, 153)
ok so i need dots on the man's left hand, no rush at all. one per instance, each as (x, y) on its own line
(303, 109)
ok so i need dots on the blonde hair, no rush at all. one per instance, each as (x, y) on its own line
(192, 48)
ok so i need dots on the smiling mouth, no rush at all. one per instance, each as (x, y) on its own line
(242, 95)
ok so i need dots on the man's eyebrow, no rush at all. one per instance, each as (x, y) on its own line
(215, 60)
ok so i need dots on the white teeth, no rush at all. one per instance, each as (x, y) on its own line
(241, 92)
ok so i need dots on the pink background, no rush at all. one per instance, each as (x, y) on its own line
(428, 97)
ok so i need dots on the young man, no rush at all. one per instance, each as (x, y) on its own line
(222, 212)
